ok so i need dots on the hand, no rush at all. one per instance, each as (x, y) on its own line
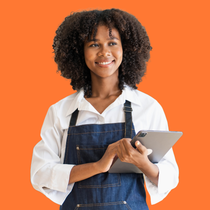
(108, 158)
(128, 154)
(86, 170)
(125, 151)
(149, 169)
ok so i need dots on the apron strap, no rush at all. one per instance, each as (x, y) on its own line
(74, 118)
(128, 119)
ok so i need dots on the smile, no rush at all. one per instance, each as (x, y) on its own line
(105, 64)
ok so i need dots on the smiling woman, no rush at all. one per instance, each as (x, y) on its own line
(78, 28)
(104, 53)
(103, 56)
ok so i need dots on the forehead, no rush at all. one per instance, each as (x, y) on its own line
(105, 32)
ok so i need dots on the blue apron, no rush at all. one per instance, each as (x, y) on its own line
(105, 191)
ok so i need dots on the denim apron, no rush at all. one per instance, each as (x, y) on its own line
(105, 191)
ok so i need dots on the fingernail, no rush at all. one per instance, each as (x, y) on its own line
(137, 143)
(149, 151)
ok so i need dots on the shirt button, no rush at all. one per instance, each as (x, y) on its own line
(124, 202)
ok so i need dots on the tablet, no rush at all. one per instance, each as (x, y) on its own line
(160, 142)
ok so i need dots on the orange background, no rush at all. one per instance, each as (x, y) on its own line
(177, 76)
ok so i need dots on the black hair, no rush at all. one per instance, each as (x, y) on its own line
(69, 41)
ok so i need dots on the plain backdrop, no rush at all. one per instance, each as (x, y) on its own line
(177, 76)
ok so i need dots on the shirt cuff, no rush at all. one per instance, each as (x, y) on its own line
(60, 177)
(168, 178)
(166, 182)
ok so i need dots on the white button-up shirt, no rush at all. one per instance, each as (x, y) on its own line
(51, 177)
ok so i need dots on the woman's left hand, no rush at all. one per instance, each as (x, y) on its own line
(138, 157)
(126, 153)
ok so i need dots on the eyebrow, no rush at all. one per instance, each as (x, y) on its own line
(95, 40)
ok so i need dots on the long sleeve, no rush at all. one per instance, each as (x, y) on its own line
(168, 178)
(48, 174)
(168, 169)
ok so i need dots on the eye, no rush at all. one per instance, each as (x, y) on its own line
(112, 43)
(94, 45)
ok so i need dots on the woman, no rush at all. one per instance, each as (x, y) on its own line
(104, 53)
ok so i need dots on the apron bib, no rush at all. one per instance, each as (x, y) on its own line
(105, 191)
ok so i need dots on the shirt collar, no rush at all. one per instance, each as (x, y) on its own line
(82, 104)
(131, 95)
(79, 95)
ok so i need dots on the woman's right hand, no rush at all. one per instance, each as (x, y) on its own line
(109, 157)
(86, 170)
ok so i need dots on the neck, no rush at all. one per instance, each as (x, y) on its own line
(105, 87)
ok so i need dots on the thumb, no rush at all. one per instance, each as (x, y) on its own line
(142, 149)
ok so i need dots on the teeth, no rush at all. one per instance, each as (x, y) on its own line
(105, 63)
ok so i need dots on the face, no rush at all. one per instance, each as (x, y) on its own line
(103, 55)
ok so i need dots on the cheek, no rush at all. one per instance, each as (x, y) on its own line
(119, 54)
(88, 56)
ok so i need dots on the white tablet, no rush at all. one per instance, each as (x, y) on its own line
(158, 141)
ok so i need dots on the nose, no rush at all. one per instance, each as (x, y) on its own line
(104, 51)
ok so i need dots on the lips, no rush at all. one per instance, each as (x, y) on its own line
(104, 63)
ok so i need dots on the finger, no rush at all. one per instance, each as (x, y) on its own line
(149, 151)
(127, 151)
(142, 149)
(111, 150)
(126, 146)
(121, 151)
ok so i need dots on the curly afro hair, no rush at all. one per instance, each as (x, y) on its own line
(78, 27)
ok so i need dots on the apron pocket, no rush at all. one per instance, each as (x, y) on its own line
(89, 154)
(120, 205)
